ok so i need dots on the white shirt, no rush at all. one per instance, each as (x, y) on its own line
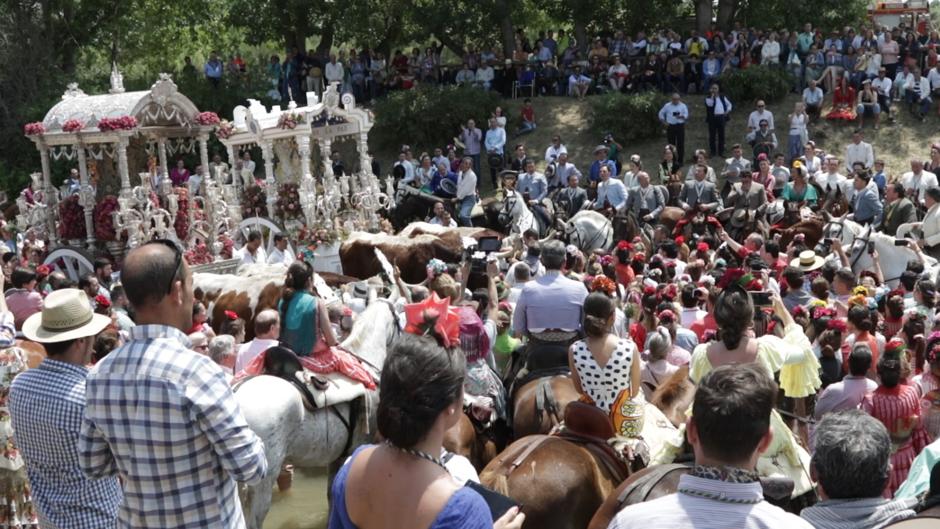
(248, 351)
(924, 85)
(934, 78)
(334, 72)
(753, 120)
(828, 181)
(931, 226)
(437, 221)
(485, 74)
(920, 183)
(277, 256)
(690, 315)
(466, 184)
(552, 153)
(874, 64)
(694, 512)
(674, 114)
(770, 52)
(882, 86)
(260, 256)
(859, 152)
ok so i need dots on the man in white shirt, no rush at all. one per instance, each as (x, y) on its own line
(267, 330)
(729, 429)
(754, 119)
(610, 191)
(674, 114)
(917, 94)
(466, 191)
(830, 180)
(859, 151)
(736, 165)
(442, 216)
(247, 173)
(485, 76)
(934, 77)
(280, 254)
(555, 149)
(812, 98)
(917, 181)
(334, 71)
(882, 86)
(252, 252)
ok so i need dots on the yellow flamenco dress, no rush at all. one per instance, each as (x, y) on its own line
(792, 356)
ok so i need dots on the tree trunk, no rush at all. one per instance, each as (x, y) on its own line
(449, 42)
(580, 34)
(726, 9)
(507, 32)
(327, 32)
(703, 15)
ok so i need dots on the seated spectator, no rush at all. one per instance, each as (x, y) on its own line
(850, 465)
(23, 300)
(617, 74)
(728, 429)
(527, 118)
(917, 95)
(465, 76)
(484, 77)
(843, 102)
(578, 83)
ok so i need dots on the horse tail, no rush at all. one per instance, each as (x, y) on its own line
(500, 483)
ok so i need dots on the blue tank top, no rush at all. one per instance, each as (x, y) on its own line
(299, 326)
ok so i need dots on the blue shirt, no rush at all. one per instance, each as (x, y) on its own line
(674, 114)
(534, 184)
(880, 181)
(594, 175)
(551, 301)
(46, 407)
(612, 191)
(165, 418)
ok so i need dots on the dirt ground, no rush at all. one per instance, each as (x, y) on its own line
(895, 142)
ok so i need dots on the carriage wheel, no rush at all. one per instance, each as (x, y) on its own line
(71, 261)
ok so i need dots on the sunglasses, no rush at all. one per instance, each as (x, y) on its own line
(177, 259)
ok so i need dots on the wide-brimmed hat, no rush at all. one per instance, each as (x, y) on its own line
(601, 148)
(808, 261)
(66, 315)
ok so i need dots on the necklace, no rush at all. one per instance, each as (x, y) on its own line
(721, 497)
(419, 454)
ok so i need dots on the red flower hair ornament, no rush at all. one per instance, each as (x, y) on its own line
(434, 317)
(231, 315)
(102, 302)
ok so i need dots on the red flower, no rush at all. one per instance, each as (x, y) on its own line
(639, 258)
(835, 324)
(730, 277)
(799, 311)
(603, 284)
(649, 291)
(43, 271)
(702, 247)
(624, 245)
(680, 240)
(102, 302)
(232, 315)
(34, 129)
(72, 125)
(207, 118)
(666, 316)
(754, 285)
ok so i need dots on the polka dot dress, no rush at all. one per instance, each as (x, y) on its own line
(603, 384)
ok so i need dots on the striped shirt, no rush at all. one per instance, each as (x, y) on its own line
(164, 417)
(693, 511)
(46, 407)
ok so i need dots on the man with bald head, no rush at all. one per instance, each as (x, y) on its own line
(163, 416)
(267, 330)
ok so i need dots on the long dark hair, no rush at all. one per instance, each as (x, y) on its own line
(298, 275)
(598, 308)
(734, 313)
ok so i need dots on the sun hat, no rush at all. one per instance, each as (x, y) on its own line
(807, 261)
(66, 315)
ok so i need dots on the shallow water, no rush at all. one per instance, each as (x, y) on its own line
(304, 506)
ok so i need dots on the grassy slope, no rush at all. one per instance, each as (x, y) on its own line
(896, 143)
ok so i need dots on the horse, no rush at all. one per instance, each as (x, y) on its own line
(293, 434)
(674, 396)
(34, 352)
(855, 239)
(468, 439)
(811, 229)
(589, 230)
(539, 405)
(516, 215)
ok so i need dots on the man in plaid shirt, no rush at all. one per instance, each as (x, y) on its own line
(163, 416)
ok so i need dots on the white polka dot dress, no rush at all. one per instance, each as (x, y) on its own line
(603, 384)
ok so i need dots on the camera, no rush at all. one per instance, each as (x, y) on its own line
(480, 253)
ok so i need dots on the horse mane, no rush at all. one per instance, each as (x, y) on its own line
(672, 389)
(375, 317)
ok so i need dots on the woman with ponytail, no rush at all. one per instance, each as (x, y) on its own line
(605, 369)
(861, 330)
(928, 385)
(791, 356)
(305, 323)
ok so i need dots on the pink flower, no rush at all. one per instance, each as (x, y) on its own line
(34, 129)
(72, 125)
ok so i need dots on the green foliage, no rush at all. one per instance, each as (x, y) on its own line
(629, 117)
(429, 116)
(756, 82)
(825, 14)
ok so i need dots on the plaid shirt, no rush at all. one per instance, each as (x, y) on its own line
(46, 406)
(165, 418)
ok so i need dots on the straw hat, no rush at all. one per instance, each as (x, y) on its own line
(808, 261)
(66, 315)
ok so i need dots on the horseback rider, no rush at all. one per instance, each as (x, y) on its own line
(735, 167)
(699, 196)
(534, 189)
(749, 202)
(611, 193)
(573, 198)
(866, 204)
(645, 202)
(830, 182)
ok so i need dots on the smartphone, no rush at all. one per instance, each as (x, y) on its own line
(900, 242)
(761, 299)
(828, 240)
(871, 247)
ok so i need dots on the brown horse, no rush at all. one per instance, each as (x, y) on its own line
(648, 484)
(34, 351)
(545, 474)
(670, 216)
(540, 404)
(811, 229)
(477, 445)
(674, 396)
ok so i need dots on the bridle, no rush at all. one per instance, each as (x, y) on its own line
(856, 251)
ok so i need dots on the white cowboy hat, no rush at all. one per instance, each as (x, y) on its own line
(66, 315)
(808, 261)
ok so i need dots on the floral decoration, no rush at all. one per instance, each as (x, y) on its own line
(288, 202)
(35, 128)
(102, 302)
(43, 271)
(254, 202)
(181, 223)
(199, 254)
(228, 246)
(72, 125)
(225, 130)
(434, 317)
(835, 324)
(121, 123)
(207, 118)
(603, 284)
(71, 219)
(289, 121)
(666, 316)
(104, 220)
(741, 278)
(231, 315)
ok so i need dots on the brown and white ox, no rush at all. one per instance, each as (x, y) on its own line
(410, 250)
(254, 289)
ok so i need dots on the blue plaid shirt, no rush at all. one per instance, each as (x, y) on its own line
(166, 419)
(46, 406)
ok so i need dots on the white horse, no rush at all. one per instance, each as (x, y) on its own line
(293, 435)
(516, 214)
(589, 231)
(855, 238)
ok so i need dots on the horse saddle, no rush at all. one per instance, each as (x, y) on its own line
(317, 390)
(590, 427)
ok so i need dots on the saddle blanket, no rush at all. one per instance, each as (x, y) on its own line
(339, 389)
